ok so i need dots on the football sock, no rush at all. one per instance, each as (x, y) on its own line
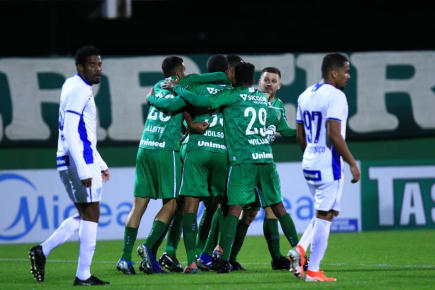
(288, 227)
(271, 233)
(158, 230)
(174, 235)
(228, 234)
(190, 230)
(214, 228)
(156, 246)
(203, 231)
(319, 244)
(307, 237)
(130, 235)
(88, 240)
(67, 229)
(242, 229)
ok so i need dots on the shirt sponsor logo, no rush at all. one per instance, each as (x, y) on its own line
(148, 142)
(262, 155)
(211, 145)
(255, 142)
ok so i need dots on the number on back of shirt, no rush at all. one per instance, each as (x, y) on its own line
(250, 112)
(313, 125)
(154, 114)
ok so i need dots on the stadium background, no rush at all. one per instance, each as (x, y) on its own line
(393, 67)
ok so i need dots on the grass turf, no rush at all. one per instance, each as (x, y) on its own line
(370, 260)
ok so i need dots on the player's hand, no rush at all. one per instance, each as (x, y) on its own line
(151, 92)
(270, 133)
(105, 175)
(199, 127)
(355, 173)
(87, 182)
(169, 84)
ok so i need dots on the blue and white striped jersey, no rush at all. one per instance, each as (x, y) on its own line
(318, 103)
(77, 143)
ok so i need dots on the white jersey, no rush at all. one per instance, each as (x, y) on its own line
(317, 104)
(78, 128)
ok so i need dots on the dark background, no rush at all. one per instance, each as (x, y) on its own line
(47, 28)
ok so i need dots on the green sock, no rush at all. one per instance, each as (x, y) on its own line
(174, 235)
(156, 246)
(203, 231)
(288, 227)
(190, 230)
(130, 235)
(158, 230)
(271, 233)
(241, 231)
(228, 234)
(214, 228)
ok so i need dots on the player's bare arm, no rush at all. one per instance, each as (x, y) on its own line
(300, 136)
(334, 134)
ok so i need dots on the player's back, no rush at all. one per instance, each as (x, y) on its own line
(162, 131)
(317, 104)
(213, 139)
(245, 126)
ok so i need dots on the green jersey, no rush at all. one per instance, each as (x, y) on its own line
(245, 113)
(162, 128)
(213, 139)
(277, 117)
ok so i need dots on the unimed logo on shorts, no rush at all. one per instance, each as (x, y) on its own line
(398, 196)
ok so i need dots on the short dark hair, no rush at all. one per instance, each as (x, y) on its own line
(234, 59)
(85, 51)
(271, 69)
(332, 61)
(170, 65)
(217, 63)
(244, 73)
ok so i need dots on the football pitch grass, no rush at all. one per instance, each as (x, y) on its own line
(370, 260)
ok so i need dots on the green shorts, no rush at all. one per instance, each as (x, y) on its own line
(158, 174)
(204, 174)
(243, 178)
(256, 205)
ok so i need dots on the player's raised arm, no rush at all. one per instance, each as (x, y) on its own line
(205, 78)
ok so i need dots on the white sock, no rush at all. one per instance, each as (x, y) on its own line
(319, 244)
(88, 240)
(307, 237)
(67, 229)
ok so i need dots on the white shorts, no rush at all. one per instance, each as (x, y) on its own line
(327, 195)
(77, 192)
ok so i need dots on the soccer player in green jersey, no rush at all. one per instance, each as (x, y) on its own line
(250, 155)
(269, 83)
(158, 168)
(205, 163)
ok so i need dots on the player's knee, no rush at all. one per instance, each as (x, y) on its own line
(324, 215)
(249, 216)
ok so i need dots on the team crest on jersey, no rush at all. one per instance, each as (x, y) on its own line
(244, 96)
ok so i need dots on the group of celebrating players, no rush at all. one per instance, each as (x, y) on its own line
(207, 138)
